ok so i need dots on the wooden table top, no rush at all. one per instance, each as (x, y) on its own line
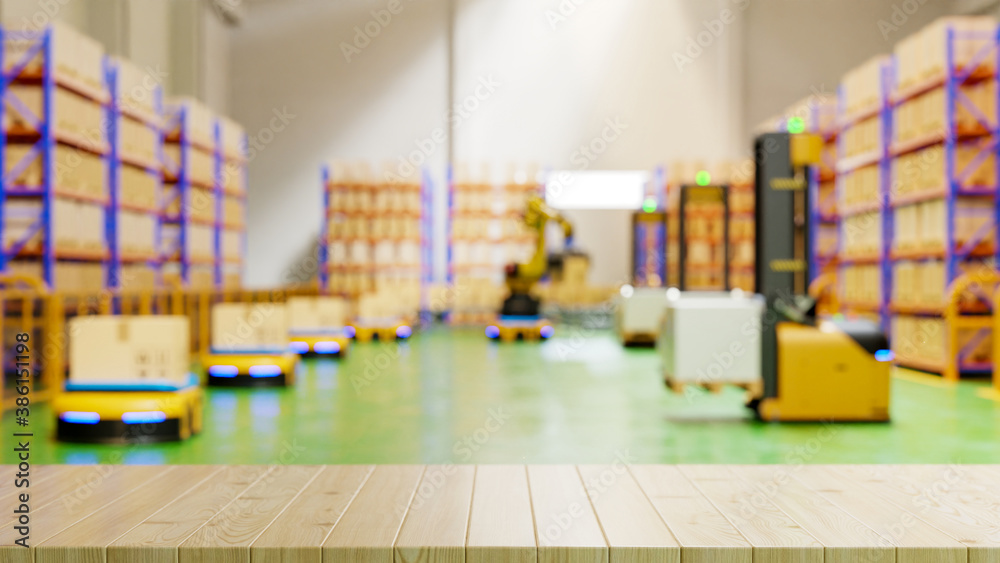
(506, 513)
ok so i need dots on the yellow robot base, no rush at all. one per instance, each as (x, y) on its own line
(335, 344)
(385, 330)
(128, 414)
(247, 369)
(509, 329)
(824, 375)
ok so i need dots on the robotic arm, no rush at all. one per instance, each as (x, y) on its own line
(537, 214)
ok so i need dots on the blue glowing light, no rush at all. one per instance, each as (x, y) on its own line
(884, 355)
(265, 370)
(547, 331)
(403, 332)
(326, 347)
(81, 417)
(223, 371)
(143, 417)
(299, 347)
(350, 331)
(492, 332)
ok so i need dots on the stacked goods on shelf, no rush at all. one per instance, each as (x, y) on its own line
(739, 175)
(944, 181)
(863, 177)
(680, 173)
(56, 162)
(190, 192)
(231, 202)
(649, 234)
(704, 237)
(374, 235)
(570, 287)
(486, 232)
(136, 173)
(349, 266)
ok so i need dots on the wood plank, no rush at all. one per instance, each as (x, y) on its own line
(915, 541)
(36, 475)
(501, 529)
(437, 521)
(704, 534)
(969, 516)
(631, 525)
(845, 538)
(367, 530)
(566, 527)
(298, 533)
(87, 539)
(226, 538)
(775, 537)
(63, 483)
(93, 490)
(157, 538)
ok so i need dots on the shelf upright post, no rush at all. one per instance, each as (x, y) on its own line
(184, 194)
(160, 129)
(3, 149)
(217, 159)
(113, 270)
(887, 78)
(950, 86)
(324, 233)
(48, 163)
(449, 227)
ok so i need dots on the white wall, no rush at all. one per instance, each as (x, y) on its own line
(288, 57)
(564, 73)
(556, 87)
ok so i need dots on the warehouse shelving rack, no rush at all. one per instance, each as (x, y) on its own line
(741, 273)
(118, 110)
(967, 316)
(425, 269)
(719, 193)
(649, 235)
(44, 148)
(177, 121)
(879, 157)
(823, 207)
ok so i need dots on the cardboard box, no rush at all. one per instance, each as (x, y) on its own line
(249, 326)
(139, 188)
(137, 90)
(73, 115)
(138, 141)
(75, 57)
(234, 138)
(127, 349)
(193, 117)
(200, 164)
(77, 171)
(317, 313)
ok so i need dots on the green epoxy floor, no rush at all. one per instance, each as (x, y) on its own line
(452, 396)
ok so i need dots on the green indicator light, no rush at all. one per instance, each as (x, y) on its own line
(649, 205)
(796, 125)
(703, 178)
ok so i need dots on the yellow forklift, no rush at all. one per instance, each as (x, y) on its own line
(812, 370)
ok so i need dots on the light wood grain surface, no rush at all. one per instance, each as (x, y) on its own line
(508, 513)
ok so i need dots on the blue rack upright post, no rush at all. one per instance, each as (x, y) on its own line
(134, 168)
